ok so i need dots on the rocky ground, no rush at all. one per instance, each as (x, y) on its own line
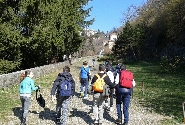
(80, 110)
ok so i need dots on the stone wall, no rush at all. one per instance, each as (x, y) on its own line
(14, 77)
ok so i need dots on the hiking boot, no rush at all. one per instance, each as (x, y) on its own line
(118, 121)
(23, 121)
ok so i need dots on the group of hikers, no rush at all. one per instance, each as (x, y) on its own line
(104, 85)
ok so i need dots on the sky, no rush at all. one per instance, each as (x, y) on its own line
(108, 14)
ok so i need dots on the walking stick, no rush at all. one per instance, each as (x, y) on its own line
(183, 111)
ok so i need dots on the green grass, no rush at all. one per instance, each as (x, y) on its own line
(10, 99)
(163, 91)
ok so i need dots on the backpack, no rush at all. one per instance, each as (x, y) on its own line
(99, 84)
(40, 99)
(126, 78)
(65, 88)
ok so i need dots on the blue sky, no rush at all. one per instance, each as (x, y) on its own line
(109, 13)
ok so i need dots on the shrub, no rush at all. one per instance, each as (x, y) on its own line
(8, 66)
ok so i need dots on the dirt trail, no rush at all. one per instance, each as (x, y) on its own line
(80, 110)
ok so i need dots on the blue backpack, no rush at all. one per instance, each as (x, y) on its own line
(65, 88)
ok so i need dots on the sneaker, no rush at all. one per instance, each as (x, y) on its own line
(58, 120)
(106, 105)
(85, 97)
(118, 121)
(125, 123)
(110, 109)
(95, 122)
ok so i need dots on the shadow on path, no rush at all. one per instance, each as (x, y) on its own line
(46, 114)
(17, 112)
(81, 114)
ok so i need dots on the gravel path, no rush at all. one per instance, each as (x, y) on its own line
(80, 110)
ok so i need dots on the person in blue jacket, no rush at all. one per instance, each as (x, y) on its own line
(26, 88)
(85, 76)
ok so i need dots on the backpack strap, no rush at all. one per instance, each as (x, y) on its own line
(85, 69)
(103, 76)
(99, 76)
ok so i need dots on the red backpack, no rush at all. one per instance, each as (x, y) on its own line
(126, 78)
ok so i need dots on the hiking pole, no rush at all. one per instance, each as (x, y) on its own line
(183, 111)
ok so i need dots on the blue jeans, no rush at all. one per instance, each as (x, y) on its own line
(125, 99)
(84, 83)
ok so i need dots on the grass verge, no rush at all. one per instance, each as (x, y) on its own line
(163, 92)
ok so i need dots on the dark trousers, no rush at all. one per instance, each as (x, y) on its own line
(84, 84)
(63, 103)
(111, 97)
(125, 99)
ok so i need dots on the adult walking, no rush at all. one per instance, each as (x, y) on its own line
(85, 75)
(70, 59)
(123, 95)
(26, 88)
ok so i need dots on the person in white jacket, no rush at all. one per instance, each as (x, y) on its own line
(114, 77)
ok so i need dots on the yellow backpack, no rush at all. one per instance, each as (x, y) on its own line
(99, 84)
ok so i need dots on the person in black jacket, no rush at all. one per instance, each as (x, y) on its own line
(98, 97)
(62, 100)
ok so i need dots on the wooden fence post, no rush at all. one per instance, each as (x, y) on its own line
(143, 87)
(183, 111)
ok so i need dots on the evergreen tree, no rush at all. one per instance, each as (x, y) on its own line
(45, 29)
